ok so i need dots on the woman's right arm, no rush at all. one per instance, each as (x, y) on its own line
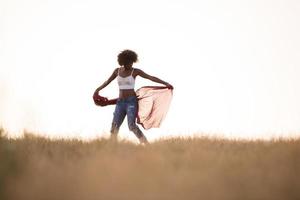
(110, 79)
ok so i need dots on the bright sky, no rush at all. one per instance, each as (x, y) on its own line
(234, 64)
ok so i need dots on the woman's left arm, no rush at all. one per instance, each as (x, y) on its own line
(153, 78)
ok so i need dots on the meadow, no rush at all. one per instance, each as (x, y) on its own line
(38, 168)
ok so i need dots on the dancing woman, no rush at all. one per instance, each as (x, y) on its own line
(127, 103)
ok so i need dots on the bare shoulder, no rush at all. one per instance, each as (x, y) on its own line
(141, 73)
(137, 71)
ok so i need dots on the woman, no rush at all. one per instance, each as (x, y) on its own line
(127, 101)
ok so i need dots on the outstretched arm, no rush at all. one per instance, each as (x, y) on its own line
(110, 79)
(153, 78)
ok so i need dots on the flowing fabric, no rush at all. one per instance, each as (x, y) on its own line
(153, 105)
(153, 102)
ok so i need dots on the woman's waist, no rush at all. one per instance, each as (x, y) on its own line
(124, 94)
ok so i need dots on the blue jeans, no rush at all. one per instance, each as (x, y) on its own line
(127, 106)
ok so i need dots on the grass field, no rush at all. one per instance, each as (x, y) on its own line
(37, 168)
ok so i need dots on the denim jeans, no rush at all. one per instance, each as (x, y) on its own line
(127, 106)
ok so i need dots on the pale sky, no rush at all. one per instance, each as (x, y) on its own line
(235, 65)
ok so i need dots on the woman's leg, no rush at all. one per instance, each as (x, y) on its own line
(131, 111)
(119, 115)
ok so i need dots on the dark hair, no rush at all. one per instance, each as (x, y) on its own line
(127, 57)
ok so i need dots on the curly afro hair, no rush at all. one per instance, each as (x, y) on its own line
(127, 57)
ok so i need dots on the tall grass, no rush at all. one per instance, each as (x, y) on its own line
(37, 168)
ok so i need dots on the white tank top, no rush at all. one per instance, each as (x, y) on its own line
(126, 83)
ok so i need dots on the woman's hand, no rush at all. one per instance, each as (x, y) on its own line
(169, 86)
(99, 100)
(96, 94)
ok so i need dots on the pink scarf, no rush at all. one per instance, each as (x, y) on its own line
(153, 105)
